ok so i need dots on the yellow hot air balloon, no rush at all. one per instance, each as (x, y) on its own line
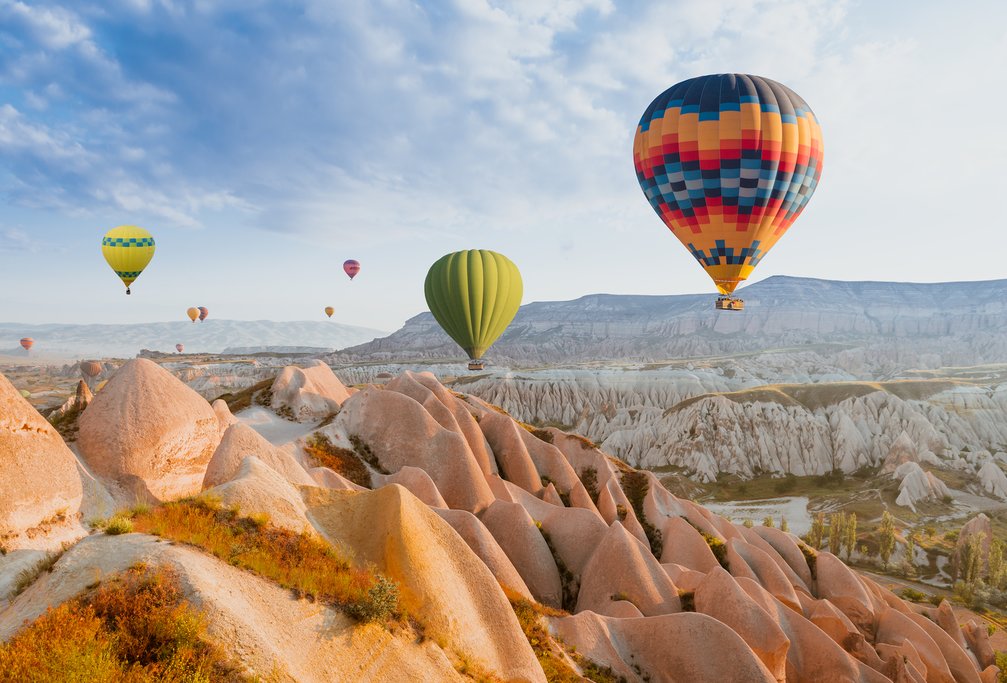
(128, 249)
(193, 313)
(329, 310)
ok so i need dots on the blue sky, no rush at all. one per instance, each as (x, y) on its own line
(265, 142)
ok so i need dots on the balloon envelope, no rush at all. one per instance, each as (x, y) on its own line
(474, 295)
(204, 312)
(27, 343)
(351, 267)
(180, 347)
(728, 162)
(25, 393)
(127, 250)
(90, 368)
(193, 314)
(329, 310)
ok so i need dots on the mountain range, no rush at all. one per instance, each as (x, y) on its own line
(210, 336)
(955, 322)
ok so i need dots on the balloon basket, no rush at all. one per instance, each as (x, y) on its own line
(477, 365)
(726, 303)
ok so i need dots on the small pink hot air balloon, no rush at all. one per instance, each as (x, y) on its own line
(180, 347)
(351, 267)
(204, 313)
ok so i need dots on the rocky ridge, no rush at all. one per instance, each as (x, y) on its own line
(465, 501)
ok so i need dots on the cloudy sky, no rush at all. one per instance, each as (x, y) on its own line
(265, 142)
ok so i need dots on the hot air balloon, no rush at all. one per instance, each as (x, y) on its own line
(204, 313)
(27, 343)
(25, 393)
(180, 348)
(351, 267)
(329, 310)
(474, 295)
(193, 313)
(90, 369)
(128, 249)
(728, 162)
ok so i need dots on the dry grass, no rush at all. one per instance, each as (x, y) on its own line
(243, 399)
(636, 485)
(342, 460)
(30, 575)
(136, 627)
(302, 563)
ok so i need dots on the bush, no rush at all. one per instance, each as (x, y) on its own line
(589, 478)
(30, 575)
(636, 485)
(381, 603)
(786, 485)
(136, 627)
(913, 595)
(119, 525)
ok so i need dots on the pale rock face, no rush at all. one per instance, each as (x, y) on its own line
(993, 480)
(149, 433)
(224, 417)
(259, 489)
(482, 543)
(330, 479)
(241, 441)
(623, 566)
(515, 531)
(917, 486)
(309, 393)
(400, 432)
(77, 402)
(672, 648)
(959, 663)
(719, 596)
(416, 481)
(410, 543)
(685, 546)
(901, 452)
(38, 473)
(839, 584)
(895, 628)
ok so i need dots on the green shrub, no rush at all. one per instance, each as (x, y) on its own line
(119, 525)
(380, 604)
(636, 485)
(913, 595)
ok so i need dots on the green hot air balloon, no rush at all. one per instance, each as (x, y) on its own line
(474, 295)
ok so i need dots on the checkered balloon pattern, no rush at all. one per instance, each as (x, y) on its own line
(728, 162)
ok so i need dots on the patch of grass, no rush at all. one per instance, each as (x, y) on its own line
(302, 563)
(67, 423)
(342, 460)
(811, 557)
(365, 453)
(243, 399)
(589, 478)
(136, 627)
(913, 595)
(30, 575)
(688, 600)
(548, 651)
(718, 547)
(569, 582)
(540, 434)
(119, 525)
(636, 485)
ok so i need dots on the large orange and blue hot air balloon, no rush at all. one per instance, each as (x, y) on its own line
(728, 162)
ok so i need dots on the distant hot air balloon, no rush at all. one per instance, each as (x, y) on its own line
(728, 162)
(474, 295)
(351, 267)
(329, 310)
(25, 393)
(90, 369)
(204, 313)
(180, 348)
(128, 249)
(193, 313)
(27, 343)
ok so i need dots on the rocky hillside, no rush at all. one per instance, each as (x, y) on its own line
(956, 323)
(407, 532)
(706, 417)
(210, 336)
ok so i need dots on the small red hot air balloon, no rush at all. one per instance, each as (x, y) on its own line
(180, 347)
(204, 313)
(351, 267)
(27, 343)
